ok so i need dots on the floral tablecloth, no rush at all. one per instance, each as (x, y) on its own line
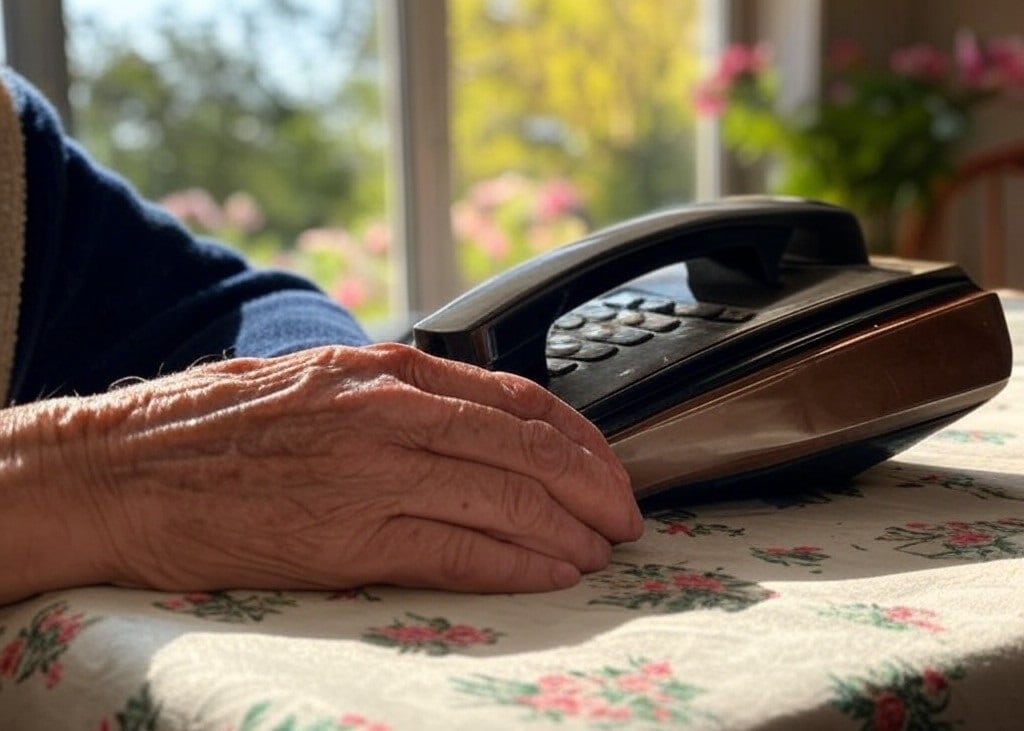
(893, 602)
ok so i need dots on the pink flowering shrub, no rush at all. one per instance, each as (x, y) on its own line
(499, 222)
(878, 137)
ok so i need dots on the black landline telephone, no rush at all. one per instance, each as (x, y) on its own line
(738, 344)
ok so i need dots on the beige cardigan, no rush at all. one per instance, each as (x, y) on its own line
(12, 233)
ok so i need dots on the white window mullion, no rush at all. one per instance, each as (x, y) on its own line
(416, 46)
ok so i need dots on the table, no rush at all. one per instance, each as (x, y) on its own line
(891, 602)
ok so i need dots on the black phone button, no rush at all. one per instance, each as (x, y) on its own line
(622, 299)
(570, 321)
(558, 367)
(698, 309)
(657, 304)
(658, 323)
(596, 313)
(630, 317)
(630, 336)
(598, 331)
(559, 346)
(594, 351)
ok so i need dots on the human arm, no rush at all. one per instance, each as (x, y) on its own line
(329, 468)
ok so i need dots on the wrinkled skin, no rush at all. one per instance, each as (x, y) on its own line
(334, 467)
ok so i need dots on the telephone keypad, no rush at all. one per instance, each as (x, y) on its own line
(597, 330)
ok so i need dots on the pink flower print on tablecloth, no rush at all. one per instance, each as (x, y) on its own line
(674, 588)
(37, 648)
(898, 696)
(432, 635)
(225, 606)
(980, 540)
(641, 694)
(682, 522)
(804, 556)
(262, 717)
(898, 618)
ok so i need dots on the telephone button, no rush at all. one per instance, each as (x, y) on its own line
(630, 317)
(658, 323)
(559, 367)
(571, 321)
(657, 304)
(598, 331)
(630, 336)
(698, 309)
(594, 351)
(596, 313)
(560, 346)
(622, 299)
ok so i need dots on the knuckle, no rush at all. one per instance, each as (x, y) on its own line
(521, 507)
(545, 450)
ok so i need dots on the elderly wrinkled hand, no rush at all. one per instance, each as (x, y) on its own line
(337, 467)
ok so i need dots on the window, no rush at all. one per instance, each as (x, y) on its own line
(520, 125)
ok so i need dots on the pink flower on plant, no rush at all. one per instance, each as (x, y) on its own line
(890, 713)
(970, 59)
(711, 96)
(377, 239)
(10, 657)
(350, 292)
(556, 198)
(739, 59)
(1007, 58)
(921, 61)
(243, 212)
(194, 207)
(698, 582)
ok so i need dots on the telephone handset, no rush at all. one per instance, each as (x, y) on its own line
(737, 344)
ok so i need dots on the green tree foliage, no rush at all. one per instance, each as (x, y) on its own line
(187, 103)
(596, 91)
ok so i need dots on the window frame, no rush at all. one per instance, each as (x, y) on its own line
(414, 37)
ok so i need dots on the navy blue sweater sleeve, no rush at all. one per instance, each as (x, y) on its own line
(113, 287)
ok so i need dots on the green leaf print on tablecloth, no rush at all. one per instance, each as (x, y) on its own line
(896, 618)
(681, 522)
(224, 606)
(37, 648)
(140, 713)
(642, 694)
(810, 557)
(976, 436)
(958, 482)
(894, 698)
(674, 588)
(257, 719)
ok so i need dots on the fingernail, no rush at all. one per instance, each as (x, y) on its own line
(565, 575)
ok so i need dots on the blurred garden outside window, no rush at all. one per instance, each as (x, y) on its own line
(267, 124)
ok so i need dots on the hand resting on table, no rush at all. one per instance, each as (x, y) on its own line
(327, 468)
